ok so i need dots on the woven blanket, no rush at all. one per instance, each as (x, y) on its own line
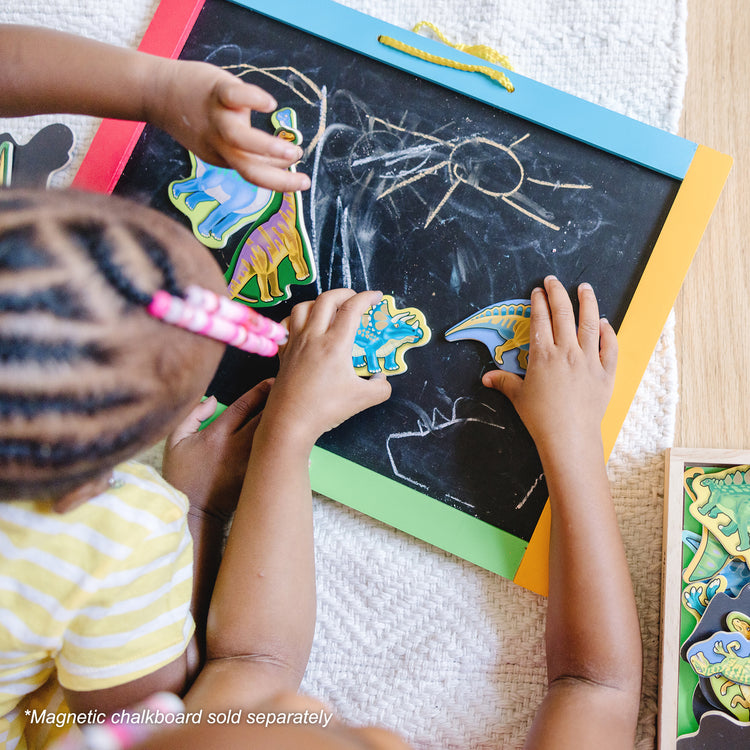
(409, 637)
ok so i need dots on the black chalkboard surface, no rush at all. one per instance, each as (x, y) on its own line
(447, 204)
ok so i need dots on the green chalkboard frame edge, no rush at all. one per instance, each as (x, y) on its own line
(416, 514)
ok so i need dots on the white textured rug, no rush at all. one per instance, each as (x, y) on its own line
(410, 637)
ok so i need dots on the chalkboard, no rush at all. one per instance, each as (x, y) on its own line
(446, 203)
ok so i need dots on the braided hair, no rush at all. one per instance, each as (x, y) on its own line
(77, 392)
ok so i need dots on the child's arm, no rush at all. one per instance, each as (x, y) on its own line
(593, 634)
(209, 467)
(203, 107)
(262, 613)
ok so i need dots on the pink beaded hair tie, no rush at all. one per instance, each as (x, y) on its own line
(204, 312)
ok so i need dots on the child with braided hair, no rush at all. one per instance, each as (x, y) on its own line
(102, 560)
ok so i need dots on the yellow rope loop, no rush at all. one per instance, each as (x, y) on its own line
(478, 50)
(495, 75)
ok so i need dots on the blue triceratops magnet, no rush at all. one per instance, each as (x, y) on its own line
(385, 334)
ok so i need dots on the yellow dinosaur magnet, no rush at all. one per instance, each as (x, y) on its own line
(503, 328)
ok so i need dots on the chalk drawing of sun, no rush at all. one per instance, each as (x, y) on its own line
(480, 163)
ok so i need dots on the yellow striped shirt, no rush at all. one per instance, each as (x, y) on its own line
(95, 597)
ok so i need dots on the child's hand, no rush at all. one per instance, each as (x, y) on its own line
(209, 465)
(317, 388)
(570, 375)
(208, 111)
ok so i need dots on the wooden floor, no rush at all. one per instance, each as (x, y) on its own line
(713, 309)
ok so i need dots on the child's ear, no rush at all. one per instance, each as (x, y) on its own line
(71, 500)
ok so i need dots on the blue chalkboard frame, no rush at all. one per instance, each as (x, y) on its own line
(702, 173)
(534, 101)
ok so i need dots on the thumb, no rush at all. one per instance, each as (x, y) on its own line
(608, 347)
(192, 423)
(379, 389)
(508, 383)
